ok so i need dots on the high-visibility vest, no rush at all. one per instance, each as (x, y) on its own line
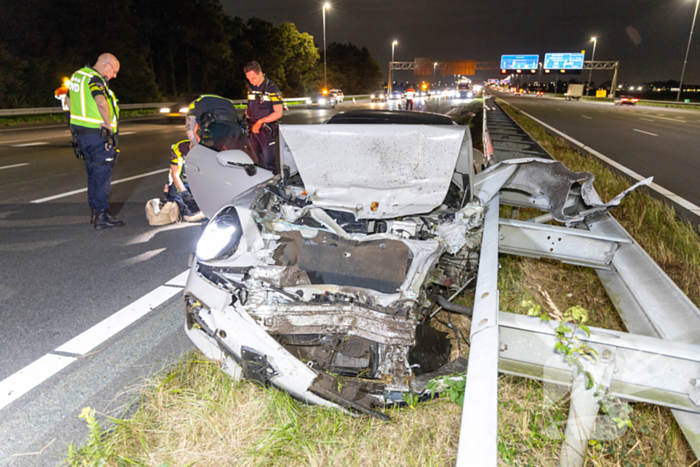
(83, 108)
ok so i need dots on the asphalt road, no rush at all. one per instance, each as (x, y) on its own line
(60, 277)
(652, 141)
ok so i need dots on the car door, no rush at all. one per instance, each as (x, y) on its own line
(216, 178)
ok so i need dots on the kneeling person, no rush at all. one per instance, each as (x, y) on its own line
(177, 189)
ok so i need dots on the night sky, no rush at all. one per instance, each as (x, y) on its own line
(648, 37)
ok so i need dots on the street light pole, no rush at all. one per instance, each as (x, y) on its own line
(434, 65)
(680, 88)
(325, 81)
(590, 72)
(393, 44)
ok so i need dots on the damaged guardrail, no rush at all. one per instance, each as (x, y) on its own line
(657, 363)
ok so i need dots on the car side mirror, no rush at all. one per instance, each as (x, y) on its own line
(237, 158)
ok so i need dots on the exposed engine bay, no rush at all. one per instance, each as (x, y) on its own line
(330, 297)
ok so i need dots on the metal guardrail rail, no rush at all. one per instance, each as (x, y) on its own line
(658, 362)
(152, 105)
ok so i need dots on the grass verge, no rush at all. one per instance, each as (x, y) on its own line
(6, 122)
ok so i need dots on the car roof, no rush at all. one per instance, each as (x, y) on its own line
(404, 117)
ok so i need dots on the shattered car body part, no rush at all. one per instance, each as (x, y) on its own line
(553, 182)
(321, 283)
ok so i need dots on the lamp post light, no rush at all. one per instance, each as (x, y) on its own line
(393, 44)
(590, 72)
(434, 65)
(325, 7)
(680, 87)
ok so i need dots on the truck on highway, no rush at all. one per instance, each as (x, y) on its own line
(574, 92)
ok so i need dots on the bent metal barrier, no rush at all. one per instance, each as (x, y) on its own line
(657, 362)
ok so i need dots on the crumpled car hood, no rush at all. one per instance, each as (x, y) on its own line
(374, 171)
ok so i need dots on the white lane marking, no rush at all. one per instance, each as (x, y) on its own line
(634, 175)
(32, 375)
(645, 132)
(13, 166)
(180, 280)
(142, 257)
(26, 145)
(33, 139)
(667, 118)
(88, 340)
(127, 133)
(82, 190)
(586, 116)
(647, 120)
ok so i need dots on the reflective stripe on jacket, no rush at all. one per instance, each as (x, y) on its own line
(83, 108)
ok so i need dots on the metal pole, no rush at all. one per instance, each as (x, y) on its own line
(390, 63)
(680, 88)
(613, 87)
(393, 44)
(590, 72)
(539, 80)
(325, 82)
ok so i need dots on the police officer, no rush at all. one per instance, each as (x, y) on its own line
(410, 94)
(210, 109)
(263, 113)
(94, 118)
(177, 189)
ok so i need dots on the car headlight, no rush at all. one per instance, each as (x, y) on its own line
(221, 236)
(372, 96)
(308, 101)
(321, 101)
(470, 94)
(381, 96)
(164, 110)
(183, 110)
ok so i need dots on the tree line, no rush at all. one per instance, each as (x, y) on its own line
(168, 49)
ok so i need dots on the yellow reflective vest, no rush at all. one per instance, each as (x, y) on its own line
(83, 108)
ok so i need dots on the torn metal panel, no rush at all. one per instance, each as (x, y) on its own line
(554, 181)
(395, 169)
(572, 246)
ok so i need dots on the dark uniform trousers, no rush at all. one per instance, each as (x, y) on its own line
(264, 144)
(98, 164)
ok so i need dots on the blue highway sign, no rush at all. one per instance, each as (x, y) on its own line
(565, 61)
(519, 62)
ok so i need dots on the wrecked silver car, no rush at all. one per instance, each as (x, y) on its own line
(322, 281)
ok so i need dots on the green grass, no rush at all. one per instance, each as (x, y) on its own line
(195, 413)
(61, 118)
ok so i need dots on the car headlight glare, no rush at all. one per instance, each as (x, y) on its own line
(183, 110)
(308, 101)
(321, 101)
(164, 110)
(221, 236)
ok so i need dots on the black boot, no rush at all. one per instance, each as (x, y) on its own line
(92, 216)
(104, 221)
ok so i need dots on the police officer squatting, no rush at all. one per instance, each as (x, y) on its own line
(265, 107)
(94, 122)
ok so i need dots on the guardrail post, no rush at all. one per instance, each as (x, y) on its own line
(583, 411)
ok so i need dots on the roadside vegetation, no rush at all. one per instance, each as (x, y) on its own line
(21, 120)
(195, 414)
